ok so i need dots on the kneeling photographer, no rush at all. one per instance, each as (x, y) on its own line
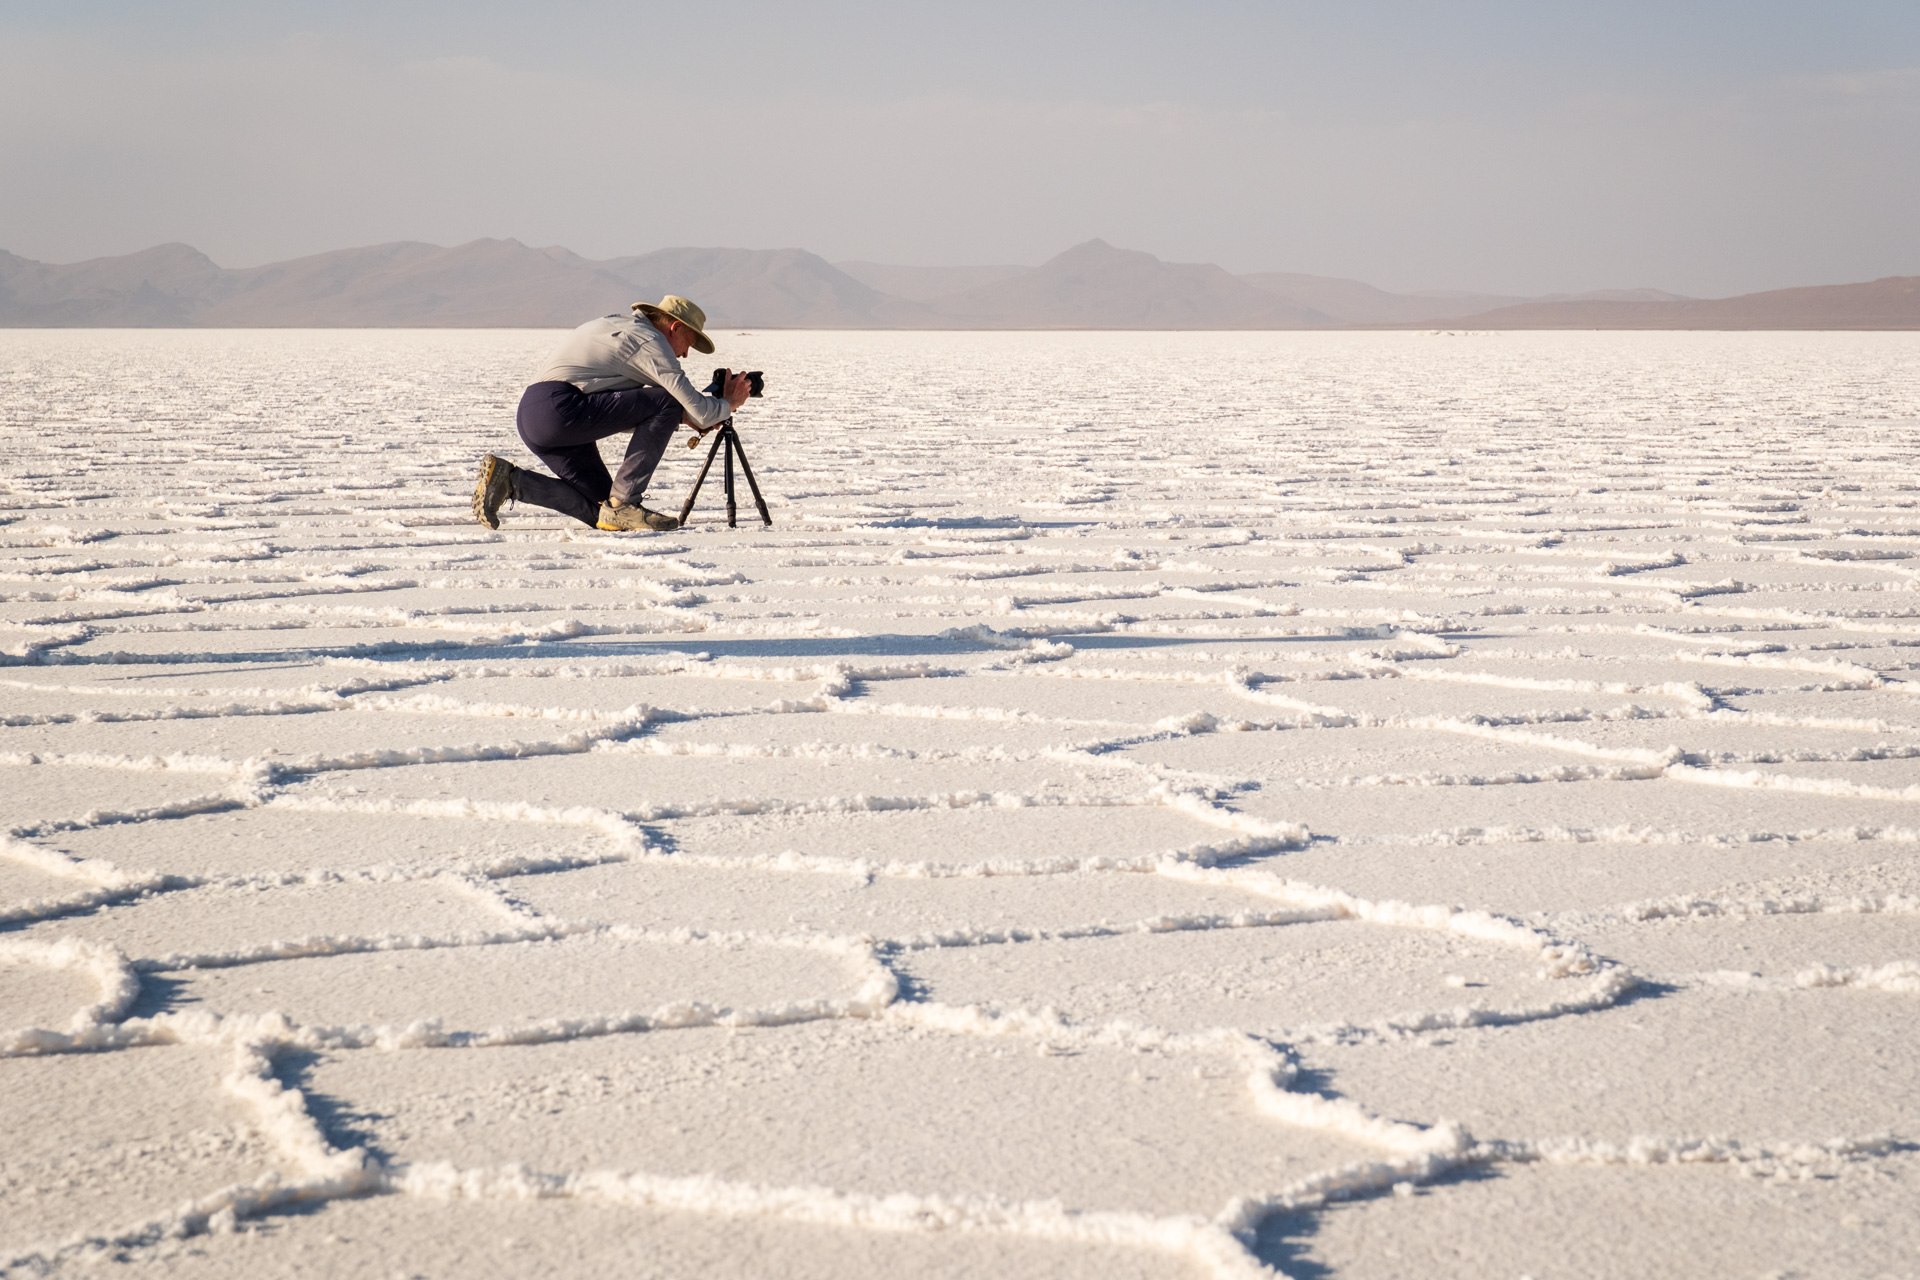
(612, 375)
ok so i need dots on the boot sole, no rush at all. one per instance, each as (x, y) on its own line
(485, 511)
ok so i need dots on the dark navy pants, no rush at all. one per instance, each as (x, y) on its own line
(563, 425)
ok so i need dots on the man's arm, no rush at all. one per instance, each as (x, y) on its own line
(654, 362)
(736, 393)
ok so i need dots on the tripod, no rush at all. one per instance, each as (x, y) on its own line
(724, 434)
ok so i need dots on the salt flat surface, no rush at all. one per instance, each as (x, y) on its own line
(1152, 805)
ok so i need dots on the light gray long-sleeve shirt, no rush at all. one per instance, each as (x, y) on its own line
(618, 352)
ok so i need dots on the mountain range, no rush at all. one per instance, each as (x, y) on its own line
(501, 283)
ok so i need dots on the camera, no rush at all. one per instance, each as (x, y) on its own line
(756, 383)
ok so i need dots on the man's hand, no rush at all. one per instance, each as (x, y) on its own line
(737, 390)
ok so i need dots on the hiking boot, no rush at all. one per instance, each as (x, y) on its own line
(631, 515)
(495, 487)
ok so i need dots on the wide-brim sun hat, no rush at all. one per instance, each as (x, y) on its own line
(675, 307)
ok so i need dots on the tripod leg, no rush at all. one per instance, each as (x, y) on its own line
(754, 485)
(686, 508)
(728, 476)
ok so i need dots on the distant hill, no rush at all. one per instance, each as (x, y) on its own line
(1351, 302)
(1096, 286)
(499, 283)
(1889, 303)
(924, 284)
(1615, 295)
(486, 283)
(756, 288)
(164, 285)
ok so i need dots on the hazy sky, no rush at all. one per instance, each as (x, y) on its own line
(1516, 145)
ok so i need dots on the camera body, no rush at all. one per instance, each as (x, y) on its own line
(756, 383)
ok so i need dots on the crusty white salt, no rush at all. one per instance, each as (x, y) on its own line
(1412, 813)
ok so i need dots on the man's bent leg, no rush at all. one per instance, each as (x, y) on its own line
(555, 422)
(561, 425)
(580, 467)
(554, 495)
(648, 442)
